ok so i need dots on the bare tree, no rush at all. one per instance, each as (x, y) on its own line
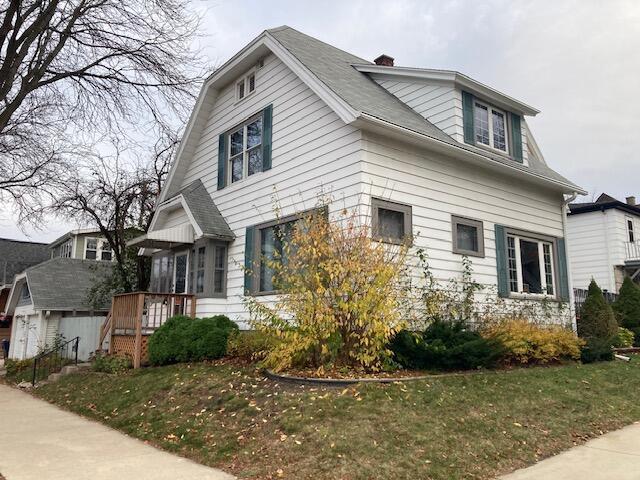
(117, 196)
(74, 71)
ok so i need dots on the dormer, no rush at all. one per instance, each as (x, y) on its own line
(467, 110)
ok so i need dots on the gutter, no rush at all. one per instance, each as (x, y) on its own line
(469, 154)
(572, 301)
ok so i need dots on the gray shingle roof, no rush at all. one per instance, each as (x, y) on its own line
(334, 68)
(63, 284)
(205, 212)
(16, 256)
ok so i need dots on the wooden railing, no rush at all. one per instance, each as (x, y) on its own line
(632, 250)
(141, 313)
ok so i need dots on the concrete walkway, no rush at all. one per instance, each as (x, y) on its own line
(615, 455)
(40, 441)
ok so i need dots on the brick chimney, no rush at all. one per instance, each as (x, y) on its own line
(631, 201)
(384, 60)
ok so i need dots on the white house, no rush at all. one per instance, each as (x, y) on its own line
(50, 300)
(431, 153)
(604, 241)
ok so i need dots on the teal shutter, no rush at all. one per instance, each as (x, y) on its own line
(563, 274)
(267, 127)
(248, 259)
(222, 162)
(516, 137)
(501, 261)
(467, 118)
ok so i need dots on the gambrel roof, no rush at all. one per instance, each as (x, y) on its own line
(340, 79)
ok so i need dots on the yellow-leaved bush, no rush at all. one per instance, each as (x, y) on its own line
(339, 302)
(529, 343)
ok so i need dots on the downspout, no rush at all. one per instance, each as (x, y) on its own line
(572, 300)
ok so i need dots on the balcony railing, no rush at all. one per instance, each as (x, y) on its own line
(139, 314)
(632, 250)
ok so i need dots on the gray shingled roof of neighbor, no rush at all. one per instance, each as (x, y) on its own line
(17, 255)
(62, 284)
(334, 67)
(604, 202)
(204, 211)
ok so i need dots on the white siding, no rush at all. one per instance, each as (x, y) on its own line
(439, 187)
(87, 328)
(312, 151)
(27, 333)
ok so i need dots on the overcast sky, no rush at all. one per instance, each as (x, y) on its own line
(576, 61)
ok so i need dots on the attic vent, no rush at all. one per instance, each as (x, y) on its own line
(384, 60)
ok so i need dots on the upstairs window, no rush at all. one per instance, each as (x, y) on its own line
(630, 232)
(246, 86)
(66, 248)
(490, 126)
(91, 249)
(106, 253)
(245, 150)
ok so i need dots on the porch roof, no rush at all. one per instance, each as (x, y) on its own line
(164, 239)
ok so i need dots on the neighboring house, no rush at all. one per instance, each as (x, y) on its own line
(85, 244)
(430, 153)
(604, 241)
(51, 300)
(15, 256)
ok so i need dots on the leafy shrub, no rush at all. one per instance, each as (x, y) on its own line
(186, 339)
(342, 300)
(627, 307)
(249, 345)
(624, 338)
(597, 319)
(596, 350)
(111, 363)
(445, 346)
(19, 370)
(528, 343)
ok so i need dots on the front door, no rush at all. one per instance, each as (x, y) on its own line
(180, 276)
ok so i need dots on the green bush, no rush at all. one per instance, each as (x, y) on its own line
(249, 345)
(185, 339)
(627, 307)
(624, 338)
(19, 370)
(596, 350)
(111, 363)
(445, 346)
(597, 319)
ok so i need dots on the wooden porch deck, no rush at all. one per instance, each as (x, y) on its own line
(135, 316)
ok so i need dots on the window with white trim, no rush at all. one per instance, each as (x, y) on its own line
(91, 249)
(490, 126)
(245, 149)
(97, 249)
(105, 251)
(631, 234)
(531, 265)
(246, 86)
(66, 249)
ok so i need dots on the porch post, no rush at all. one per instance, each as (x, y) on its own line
(137, 353)
(193, 306)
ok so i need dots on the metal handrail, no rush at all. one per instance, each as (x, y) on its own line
(52, 361)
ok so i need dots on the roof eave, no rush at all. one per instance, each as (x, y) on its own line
(447, 148)
(459, 79)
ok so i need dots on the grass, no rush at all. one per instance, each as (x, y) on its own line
(466, 427)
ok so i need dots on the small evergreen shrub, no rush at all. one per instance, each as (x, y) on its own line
(185, 339)
(249, 345)
(597, 319)
(528, 343)
(445, 346)
(111, 363)
(624, 338)
(627, 308)
(596, 350)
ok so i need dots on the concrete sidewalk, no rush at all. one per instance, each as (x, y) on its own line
(615, 455)
(40, 441)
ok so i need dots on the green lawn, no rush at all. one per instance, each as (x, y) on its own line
(451, 427)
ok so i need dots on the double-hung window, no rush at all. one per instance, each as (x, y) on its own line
(91, 249)
(245, 149)
(106, 254)
(531, 265)
(631, 234)
(490, 126)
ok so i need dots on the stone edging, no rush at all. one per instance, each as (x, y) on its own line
(338, 382)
